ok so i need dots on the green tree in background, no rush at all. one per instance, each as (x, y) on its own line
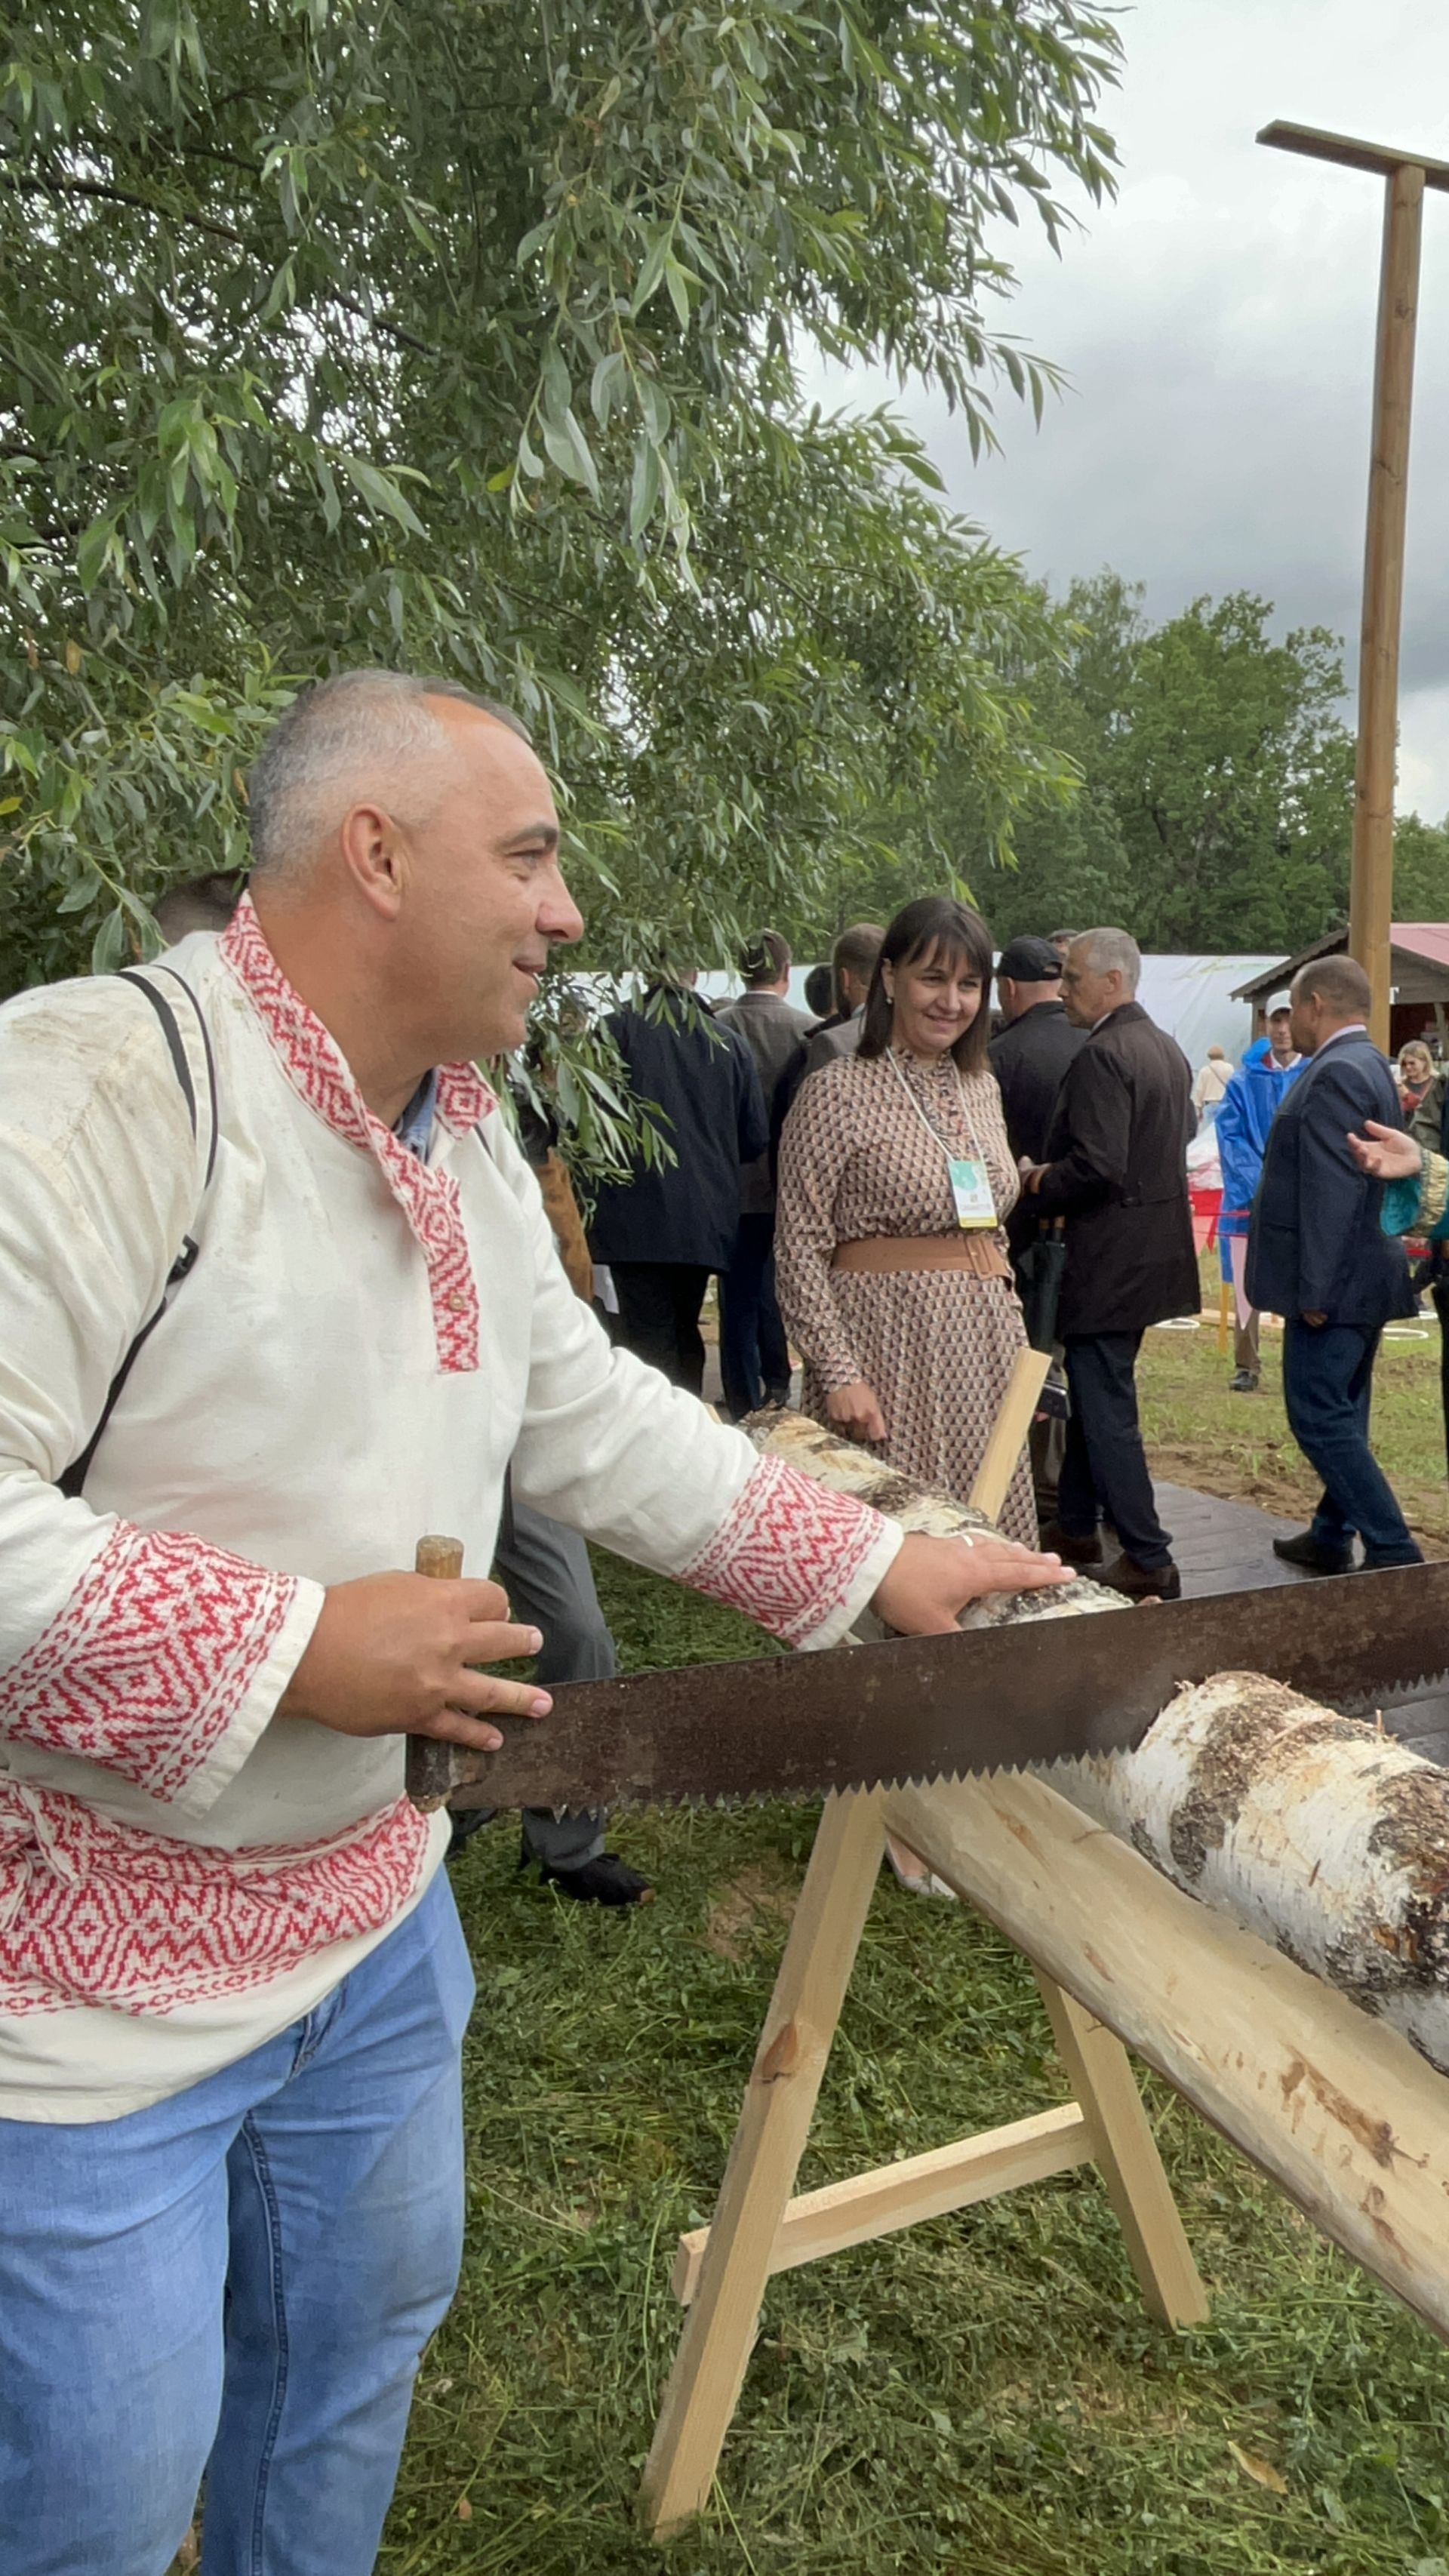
(1217, 798)
(466, 338)
(1421, 870)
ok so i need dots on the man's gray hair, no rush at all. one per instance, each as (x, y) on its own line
(340, 743)
(1112, 952)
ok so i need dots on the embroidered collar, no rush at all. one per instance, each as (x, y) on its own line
(321, 1076)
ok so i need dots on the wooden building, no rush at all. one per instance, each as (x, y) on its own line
(1418, 980)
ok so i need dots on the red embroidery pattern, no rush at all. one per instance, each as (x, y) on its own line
(787, 1552)
(318, 1071)
(93, 1912)
(150, 1659)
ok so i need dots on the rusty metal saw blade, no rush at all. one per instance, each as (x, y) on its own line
(988, 1699)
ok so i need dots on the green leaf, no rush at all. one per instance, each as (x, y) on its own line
(380, 492)
(109, 945)
(644, 488)
(569, 450)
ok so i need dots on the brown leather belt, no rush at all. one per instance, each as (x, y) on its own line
(981, 1254)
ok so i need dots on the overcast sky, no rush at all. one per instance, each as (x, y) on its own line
(1217, 324)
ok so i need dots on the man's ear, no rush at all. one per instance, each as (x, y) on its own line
(373, 858)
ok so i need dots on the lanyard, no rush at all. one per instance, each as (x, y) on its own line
(971, 1191)
(932, 1130)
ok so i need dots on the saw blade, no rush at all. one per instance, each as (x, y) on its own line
(929, 1708)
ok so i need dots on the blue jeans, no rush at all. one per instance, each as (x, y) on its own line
(754, 1356)
(1328, 1374)
(238, 2281)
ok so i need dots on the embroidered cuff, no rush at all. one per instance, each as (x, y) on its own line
(164, 1665)
(800, 1560)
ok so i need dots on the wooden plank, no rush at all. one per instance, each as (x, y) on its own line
(1317, 144)
(1344, 2114)
(919, 2187)
(1124, 2147)
(720, 2328)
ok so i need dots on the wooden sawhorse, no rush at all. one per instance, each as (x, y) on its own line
(759, 2228)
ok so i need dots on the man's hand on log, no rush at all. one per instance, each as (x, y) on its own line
(392, 1654)
(855, 1410)
(1386, 1153)
(933, 1579)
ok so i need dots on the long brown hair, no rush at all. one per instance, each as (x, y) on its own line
(935, 925)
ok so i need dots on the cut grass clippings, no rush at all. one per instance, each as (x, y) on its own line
(984, 2395)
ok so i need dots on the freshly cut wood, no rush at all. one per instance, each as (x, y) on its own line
(1321, 1835)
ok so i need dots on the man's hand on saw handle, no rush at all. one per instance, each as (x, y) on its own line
(392, 1654)
(933, 1579)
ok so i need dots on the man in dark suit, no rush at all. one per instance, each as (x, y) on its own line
(1029, 1057)
(1116, 1169)
(662, 1231)
(754, 1356)
(1318, 1257)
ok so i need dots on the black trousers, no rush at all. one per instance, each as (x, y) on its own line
(754, 1356)
(1104, 1468)
(658, 1319)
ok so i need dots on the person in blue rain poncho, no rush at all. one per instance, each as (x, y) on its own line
(1249, 1107)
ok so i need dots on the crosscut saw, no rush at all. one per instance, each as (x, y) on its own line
(1048, 1689)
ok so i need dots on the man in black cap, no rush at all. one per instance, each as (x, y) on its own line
(1029, 1056)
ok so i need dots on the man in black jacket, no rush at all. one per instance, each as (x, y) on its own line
(670, 1224)
(1029, 1058)
(1116, 1169)
(1318, 1257)
(754, 1356)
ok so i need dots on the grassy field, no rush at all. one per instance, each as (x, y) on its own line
(982, 2396)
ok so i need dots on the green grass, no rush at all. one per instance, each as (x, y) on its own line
(983, 2395)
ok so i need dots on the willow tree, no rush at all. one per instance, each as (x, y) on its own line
(469, 335)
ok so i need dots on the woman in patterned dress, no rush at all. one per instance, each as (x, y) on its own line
(905, 1312)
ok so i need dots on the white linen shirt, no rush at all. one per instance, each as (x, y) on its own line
(363, 1344)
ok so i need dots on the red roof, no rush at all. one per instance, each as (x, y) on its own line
(1428, 939)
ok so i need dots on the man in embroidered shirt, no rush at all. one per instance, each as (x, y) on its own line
(232, 1984)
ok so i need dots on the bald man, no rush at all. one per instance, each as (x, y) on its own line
(281, 1295)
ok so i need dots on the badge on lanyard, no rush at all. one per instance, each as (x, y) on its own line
(971, 1190)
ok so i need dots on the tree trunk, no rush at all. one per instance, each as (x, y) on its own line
(1322, 1836)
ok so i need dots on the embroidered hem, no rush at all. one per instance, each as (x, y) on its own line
(93, 1912)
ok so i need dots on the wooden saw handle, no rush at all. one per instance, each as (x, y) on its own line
(430, 1761)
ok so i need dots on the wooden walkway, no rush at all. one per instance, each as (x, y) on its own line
(1228, 1547)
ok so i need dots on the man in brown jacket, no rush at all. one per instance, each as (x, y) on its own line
(1116, 1170)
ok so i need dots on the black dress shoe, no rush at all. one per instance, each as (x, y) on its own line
(1308, 1551)
(605, 1881)
(1069, 1546)
(1141, 1582)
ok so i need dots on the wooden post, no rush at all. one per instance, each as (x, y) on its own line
(1371, 898)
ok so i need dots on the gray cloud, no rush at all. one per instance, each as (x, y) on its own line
(1217, 324)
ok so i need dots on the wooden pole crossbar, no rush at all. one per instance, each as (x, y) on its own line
(1406, 175)
(759, 2229)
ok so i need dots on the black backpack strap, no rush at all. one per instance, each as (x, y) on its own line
(187, 1066)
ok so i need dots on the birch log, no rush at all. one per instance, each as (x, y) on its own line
(1325, 1838)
